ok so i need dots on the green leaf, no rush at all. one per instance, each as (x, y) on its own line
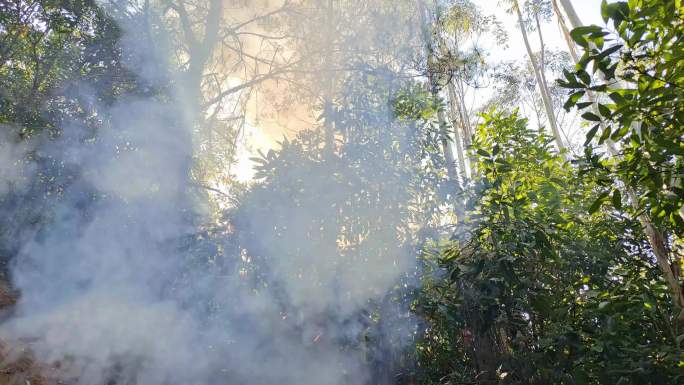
(604, 11)
(571, 80)
(617, 135)
(591, 134)
(674, 148)
(580, 40)
(617, 199)
(605, 134)
(483, 153)
(599, 88)
(616, 97)
(597, 203)
(590, 116)
(584, 77)
(604, 111)
(568, 75)
(608, 51)
(588, 29)
(573, 99)
(618, 12)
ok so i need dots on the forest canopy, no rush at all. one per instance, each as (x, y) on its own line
(341, 192)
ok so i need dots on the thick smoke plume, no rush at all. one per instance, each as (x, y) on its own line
(111, 287)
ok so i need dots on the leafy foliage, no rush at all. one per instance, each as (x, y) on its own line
(641, 70)
(536, 271)
(536, 291)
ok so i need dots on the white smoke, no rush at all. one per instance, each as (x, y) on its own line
(107, 291)
(15, 170)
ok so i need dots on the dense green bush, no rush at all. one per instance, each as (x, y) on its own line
(535, 290)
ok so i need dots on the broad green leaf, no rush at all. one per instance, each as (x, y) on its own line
(604, 111)
(597, 203)
(605, 15)
(573, 99)
(617, 199)
(608, 51)
(584, 77)
(591, 134)
(483, 153)
(591, 117)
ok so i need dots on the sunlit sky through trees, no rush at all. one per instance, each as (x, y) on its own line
(255, 138)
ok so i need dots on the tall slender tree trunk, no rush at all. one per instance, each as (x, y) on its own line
(453, 108)
(667, 264)
(542, 70)
(445, 140)
(572, 15)
(566, 31)
(200, 50)
(459, 97)
(445, 137)
(328, 108)
(543, 88)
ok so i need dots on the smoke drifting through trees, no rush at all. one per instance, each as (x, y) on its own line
(403, 235)
(120, 285)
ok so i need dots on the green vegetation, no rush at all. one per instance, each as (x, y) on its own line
(455, 245)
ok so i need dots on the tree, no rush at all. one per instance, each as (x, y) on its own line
(516, 88)
(543, 88)
(460, 27)
(430, 39)
(60, 65)
(226, 53)
(643, 117)
(536, 291)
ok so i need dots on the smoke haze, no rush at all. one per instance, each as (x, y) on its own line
(122, 284)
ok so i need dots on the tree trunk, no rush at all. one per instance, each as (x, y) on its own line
(572, 15)
(543, 89)
(459, 97)
(200, 51)
(566, 32)
(542, 70)
(434, 90)
(328, 108)
(453, 104)
(446, 142)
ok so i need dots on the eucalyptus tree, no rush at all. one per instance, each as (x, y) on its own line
(462, 26)
(516, 88)
(435, 72)
(543, 87)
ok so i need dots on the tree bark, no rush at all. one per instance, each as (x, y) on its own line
(200, 50)
(543, 89)
(434, 90)
(572, 15)
(459, 98)
(453, 104)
